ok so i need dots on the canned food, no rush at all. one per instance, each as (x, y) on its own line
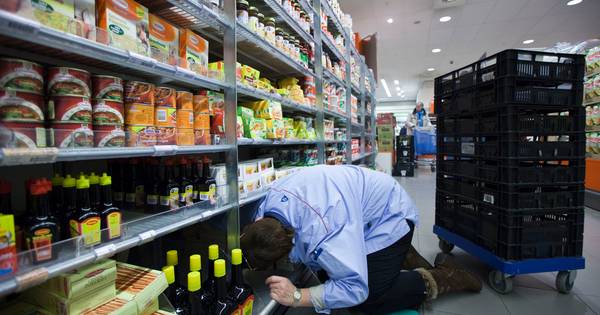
(165, 96)
(140, 136)
(107, 112)
(18, 105)
(185, 100)
(139, 114)
(200, 103)
(70, 108)
(22, 134)
(67, 134)
(185, 119)
(68, 81)
(185, 137)
(107, 87)
(109, 136)
(202, 137)
(21, 75)
(202, 121)
(165, 117)
(166, 135)
(139, 92)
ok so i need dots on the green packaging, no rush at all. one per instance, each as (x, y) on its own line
(114, 306)
(79, 282)
(59, 305)
(140, 285)
(247, 116)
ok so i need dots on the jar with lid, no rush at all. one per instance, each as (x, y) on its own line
(242, 11)
(270, 30)
(304, 55)
(253, 19)
(297, 50)
(302, 21)
(297, 11)
(286, 43)
(278, 38)
(287, 6)
(261, 25)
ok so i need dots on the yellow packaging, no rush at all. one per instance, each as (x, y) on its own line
(201, 121)
(139, 114)
(185, 100)
(8, 249)
(193, 52)
(251, 185)
(164, 41)
(267, 179)
(185, 119)
(265, 165)
(200, 104)
(62, 306)
(56, 14)
(126, 23)
(22, 308)
(275, 129)
(185, 137)
(82, 281)
(250, 75)
(114, 306)
(141, 285)
(165, 117)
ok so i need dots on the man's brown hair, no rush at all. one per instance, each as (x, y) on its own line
(265, 242)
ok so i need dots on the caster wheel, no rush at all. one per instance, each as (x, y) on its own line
(500, 282)
(445, 247)
(565, 281)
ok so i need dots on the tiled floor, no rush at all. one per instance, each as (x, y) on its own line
(532, 294)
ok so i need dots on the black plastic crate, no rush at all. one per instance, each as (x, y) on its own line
(404, 169)
(540, 149)
(445, 211)
(448, 184)
(512, 197)
(497, 93)
(405, 153)
(533, 172)
(404, 141)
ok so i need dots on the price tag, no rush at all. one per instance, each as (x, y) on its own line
(18, 24)
(165, 150)
(141, 60)
(32, 278)
(186, 73)
(147, 236)
(21, 156)
(105, 251)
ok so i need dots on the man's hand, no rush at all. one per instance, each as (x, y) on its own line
(282, 290)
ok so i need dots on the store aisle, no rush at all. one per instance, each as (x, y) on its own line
(532, 294)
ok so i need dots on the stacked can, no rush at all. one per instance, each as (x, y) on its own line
(22, 109)
(69, 108)
(185, 118)
(108, 111)
(165, 115)
(201, 120)
(139, 114)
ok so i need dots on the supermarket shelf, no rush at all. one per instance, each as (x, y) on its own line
(357, 125)
(73, 254)
(266, 142)
(330, 45)
(50, 42)
(356, 90)
(326, 7)
(19, 156)
(203, 15)
(333, 114)
(362, 156)
(334, 141)
(256, 195)
(285, 17)
(592, 128)
(257, 50)
(307, 6)
(593, 73)
(332, 78)
(264, 95)
(593, 101)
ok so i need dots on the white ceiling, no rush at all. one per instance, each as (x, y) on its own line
(477, 27)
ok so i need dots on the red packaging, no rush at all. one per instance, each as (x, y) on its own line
(165, 97)
(73, 108)
(140, 136)
(386, 119)
(109, 136)
(166, 135)
(21, 75)
(68, 81)
(18, 105)
(107, 87)
(108, 112)
(202, 137)
(28, 135)
(217, 125)
(71, 135)
(139, 92)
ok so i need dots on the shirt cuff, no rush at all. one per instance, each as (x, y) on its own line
(317, 300)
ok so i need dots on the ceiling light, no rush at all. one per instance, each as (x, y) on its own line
(396, 82)
(430, 69)
(444, 19)
(386, 88)
(436, 50)
(399, 94)
(529, 41)
(398, 88)
(390, 20)
(574, 2)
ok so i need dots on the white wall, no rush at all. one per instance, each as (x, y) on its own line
(425, 93)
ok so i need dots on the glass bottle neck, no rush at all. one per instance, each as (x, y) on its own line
(221, 288)
(236, 275)
(83, 199)
(206, 169)
(107, 196)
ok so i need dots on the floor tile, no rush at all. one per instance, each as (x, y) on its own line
(523, 301)
(593, 302)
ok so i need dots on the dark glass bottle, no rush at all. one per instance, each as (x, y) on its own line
(208, 186)
(69, 206)
(169, 189)
(152, 187)
(180, 297)
(204, 298)
(130, 184)
(42, 229)
(110, 215)
(85, 221)
(186, 189)
(56, 196)
(198, 300)
(95, 197)
(118, 182)
(240, 293)
(213, 255)
(195, 179)
(5, 200)
(222, 304)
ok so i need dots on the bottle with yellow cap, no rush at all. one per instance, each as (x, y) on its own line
(85, 222)
(169, 272)
(222, 304)
(199, 300)
(213, 255)
(180, 295)
(95, 199)
(42, 229)
(109, 214)
(69, 206)
(239, 292)
(204, 297)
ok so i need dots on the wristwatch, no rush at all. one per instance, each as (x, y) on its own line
(297, 297)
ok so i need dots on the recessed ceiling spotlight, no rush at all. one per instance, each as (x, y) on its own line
(529, 41)
(430, 69)
(574, 2)
(398, 88)
(444, 19)
(399, 94)
(436, 50)
(396, 82)
(390, 20)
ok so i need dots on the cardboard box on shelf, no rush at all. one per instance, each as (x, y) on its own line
(385, 129)
(141, 285)
(114, 306)
(85, 14)
(126, 23)
(79, 282)
(219, 173)
(59, 305)
(193, 52)
(265, 165)
(164, 41)
(57, 14)
(267, 178)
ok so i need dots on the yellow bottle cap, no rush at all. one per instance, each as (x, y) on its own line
(94, 179)
(69, 182)
(195, 263)
(105, 180)
(213, 252)
(82, 174)
(172, 258)
(83, 183)
(169, 273)
(236, 256)
(219, 268)
(57, 180)
(194, 281)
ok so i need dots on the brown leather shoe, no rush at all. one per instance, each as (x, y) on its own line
(414, 260)
(440, 281)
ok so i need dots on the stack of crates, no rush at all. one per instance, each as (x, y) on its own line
(405, 152)
(511, 154)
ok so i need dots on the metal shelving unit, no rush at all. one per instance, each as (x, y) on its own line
(31, 40)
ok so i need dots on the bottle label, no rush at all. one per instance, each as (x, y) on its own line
(189, 195)
(164, 200)
(248, 305)
(174, 198)
(41, 243)
(153, 200)
(238, 311)
(140, 196)
(118, 196)
(88, 228)
(209, 195)
(130, 197)
(114, 225)
(195, 194)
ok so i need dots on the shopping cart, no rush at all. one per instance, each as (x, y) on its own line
(425, 148)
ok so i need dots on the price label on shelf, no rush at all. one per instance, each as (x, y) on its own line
(22, 156)
(141, 60)
(18, 25)
(147, 236)
(186, 73)
(165, 150)
(105, 251)
(31, 278)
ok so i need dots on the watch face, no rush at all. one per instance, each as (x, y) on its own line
(297, 295)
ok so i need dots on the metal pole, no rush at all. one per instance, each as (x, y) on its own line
(363, 95)
(318, 53)
(347, 43)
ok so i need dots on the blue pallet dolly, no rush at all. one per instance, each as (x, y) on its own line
(500, 278)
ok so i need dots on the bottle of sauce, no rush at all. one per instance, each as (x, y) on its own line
(241, 294)
(222, 305)
(196, 294)
(117, 172)
(130, 184)
(140, 183)
(109, 214)
(213, 255)
(186, 188)
(152, 187)
(5, 200)
(169, 272)
(169, 189)
(85, 222)
(208, 186)
(195, 179)
(69, 206)
(180, 297)
(95, 197)
(203, 299)
(56, 196)
(42, 229)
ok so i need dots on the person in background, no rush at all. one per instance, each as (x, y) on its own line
(354, 227)
(417, 119)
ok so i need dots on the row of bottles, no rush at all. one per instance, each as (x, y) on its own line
(213, 296)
